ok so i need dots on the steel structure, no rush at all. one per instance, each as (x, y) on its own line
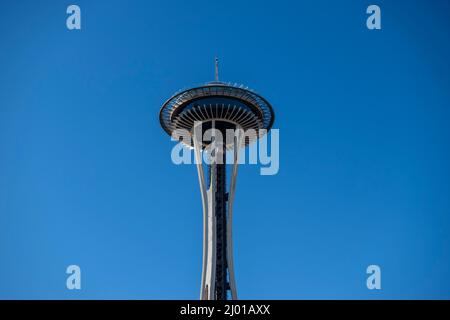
(219, 106)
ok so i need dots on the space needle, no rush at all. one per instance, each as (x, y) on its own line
(218, 107)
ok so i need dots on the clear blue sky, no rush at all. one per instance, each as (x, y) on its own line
(86, 176)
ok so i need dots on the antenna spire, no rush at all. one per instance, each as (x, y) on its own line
(216, 65)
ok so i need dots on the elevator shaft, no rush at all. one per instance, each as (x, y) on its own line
(217, 178)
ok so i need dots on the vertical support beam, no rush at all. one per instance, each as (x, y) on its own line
(207, 289)
(238, 142)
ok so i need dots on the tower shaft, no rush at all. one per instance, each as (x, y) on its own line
(218, 282)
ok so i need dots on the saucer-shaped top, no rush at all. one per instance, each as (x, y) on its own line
(231, 106)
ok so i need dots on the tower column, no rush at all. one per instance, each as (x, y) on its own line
(218, 282)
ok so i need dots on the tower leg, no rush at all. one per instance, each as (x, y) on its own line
(237, 144)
